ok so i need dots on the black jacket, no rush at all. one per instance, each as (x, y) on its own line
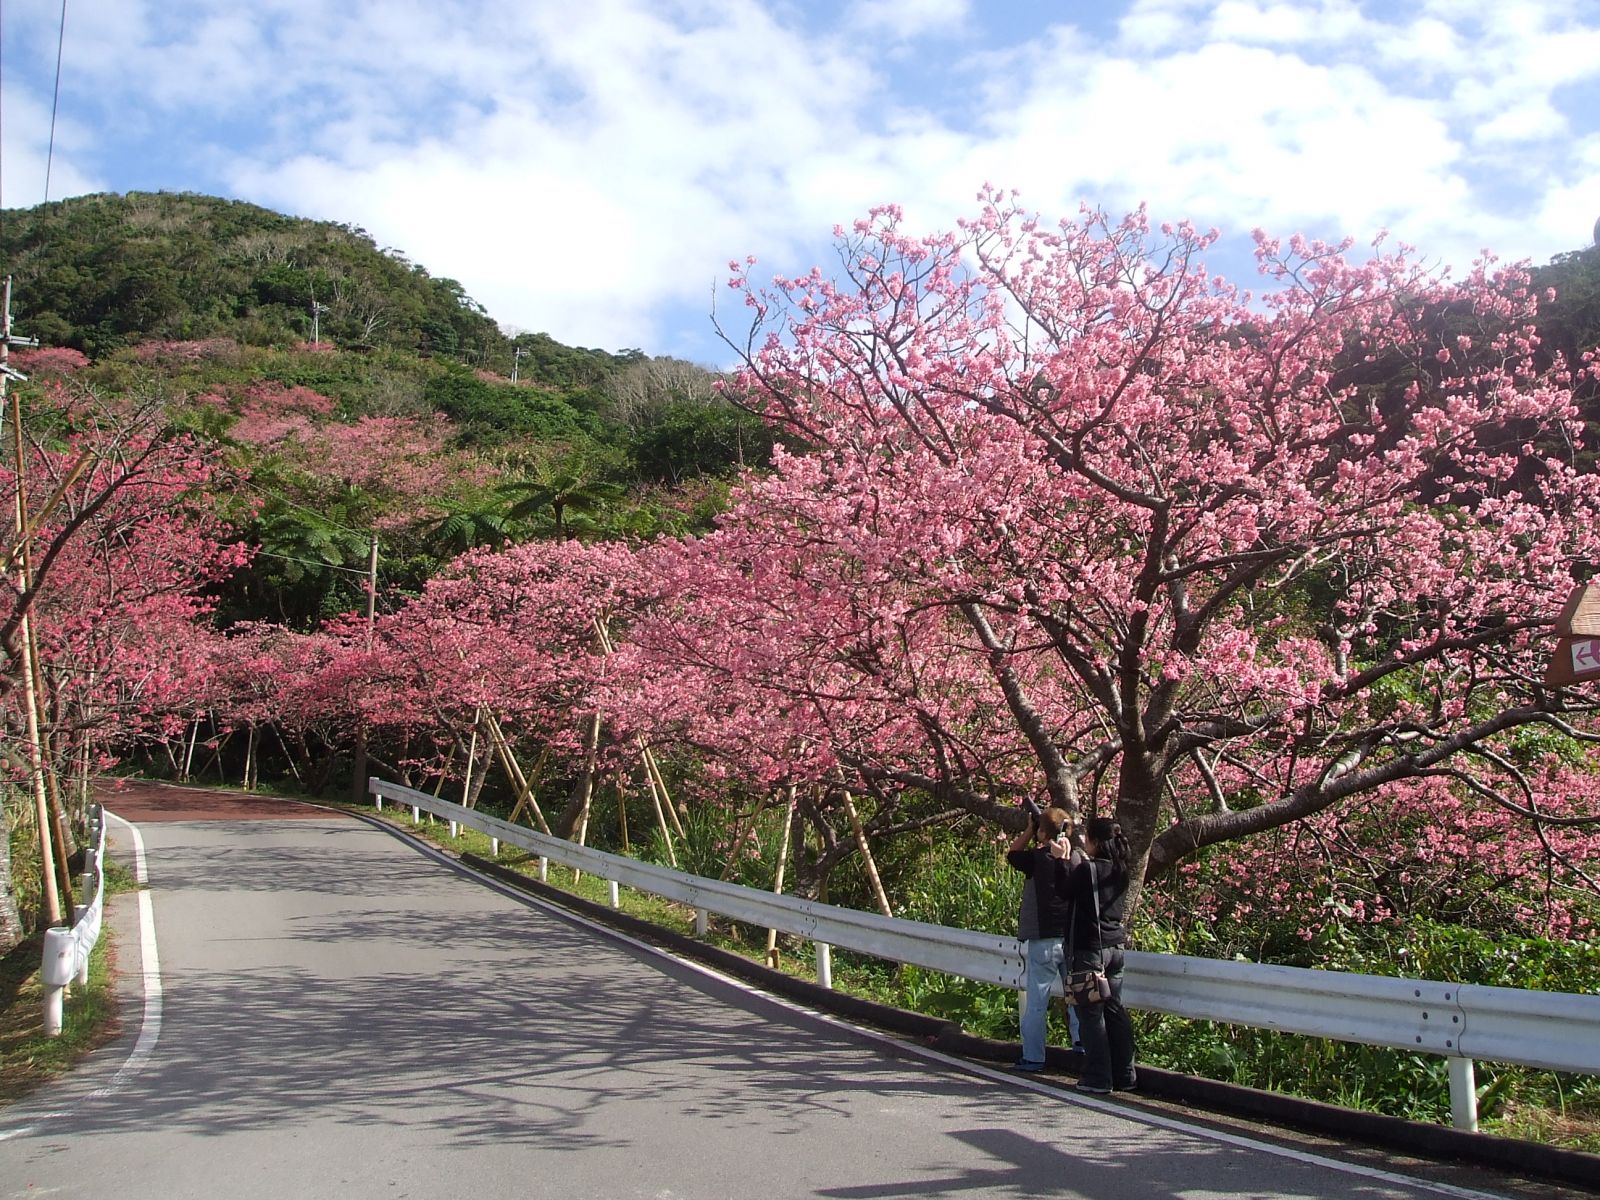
(1082, 931)
(1046, 878)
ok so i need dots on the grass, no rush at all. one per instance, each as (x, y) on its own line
(28, 1058)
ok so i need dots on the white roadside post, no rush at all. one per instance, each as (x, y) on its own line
(1463, 1095)
(57, 970)
(824, 964)
(701, 922)
(616, 896)
(453, 829)
(544, 869)
(494, 847)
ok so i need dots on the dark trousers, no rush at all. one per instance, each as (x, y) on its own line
(1106, 1031)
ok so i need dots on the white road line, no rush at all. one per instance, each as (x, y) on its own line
(1136, 1115)
(150, 1029)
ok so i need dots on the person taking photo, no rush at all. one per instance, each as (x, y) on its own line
(1096, 890)
(1039, 852)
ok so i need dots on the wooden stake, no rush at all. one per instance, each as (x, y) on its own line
(866, 854)
(666, 797)
(513, 770)
(250, 759)
(622, 812)
(52, 789)
(472, 760)
(294, 768)
(783, 862)
(661, 817)
(50, 898)
(188, 755)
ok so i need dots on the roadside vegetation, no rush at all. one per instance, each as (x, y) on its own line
(90, 1016)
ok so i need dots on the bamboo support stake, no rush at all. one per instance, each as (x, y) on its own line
(188, 755)
(654, 768)
(250, 759)
(85, 461)
(513, 770)
(216, 758)
(622, 812)
(294, 767)
(661, 817)
(52, 788)
(783, 862)
(50, 897)
(663, 801)
(472, 761)
(582, 831)
(866, 854)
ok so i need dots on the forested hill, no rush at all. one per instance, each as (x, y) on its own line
(100, 272)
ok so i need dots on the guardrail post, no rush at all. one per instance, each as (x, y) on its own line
(616, 896)
(701, 922)
(1463, 1095)
(544, 869)
(453, 829)
(416, 814)
(494, 847)
(824, 964)
(56, 969)
(86, 887)
(378, 796)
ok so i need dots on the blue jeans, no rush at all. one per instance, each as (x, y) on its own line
(1045, 965)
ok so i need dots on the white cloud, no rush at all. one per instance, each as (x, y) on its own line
(588, 215)
(907, 19)
(589, 169)
(25, 154)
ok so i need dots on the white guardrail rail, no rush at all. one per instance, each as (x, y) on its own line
(66, 951)
(1462, 1022)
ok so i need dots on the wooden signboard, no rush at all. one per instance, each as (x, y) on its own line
(1577, 653)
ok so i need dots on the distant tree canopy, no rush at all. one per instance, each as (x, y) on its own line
(104, 271)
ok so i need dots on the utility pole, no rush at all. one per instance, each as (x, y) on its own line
(516, 357)
(316, 313)
(358, 781)
(51, 897)
(372, 590)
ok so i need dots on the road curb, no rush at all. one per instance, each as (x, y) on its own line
(1271, 1108)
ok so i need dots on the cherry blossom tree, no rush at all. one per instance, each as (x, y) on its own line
(106, 583)
(1228, 562)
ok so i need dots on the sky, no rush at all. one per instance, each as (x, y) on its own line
(587, 168)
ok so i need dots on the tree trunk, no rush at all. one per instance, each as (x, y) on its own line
(1138, 812)
(578, 804)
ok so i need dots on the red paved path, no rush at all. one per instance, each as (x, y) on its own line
(139, 800)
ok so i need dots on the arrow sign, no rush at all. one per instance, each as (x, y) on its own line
(1577, 654)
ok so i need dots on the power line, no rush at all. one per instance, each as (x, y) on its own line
(310, 562)
(55, 101)
(269, 494)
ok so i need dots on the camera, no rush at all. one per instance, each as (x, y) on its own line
(1031, 807)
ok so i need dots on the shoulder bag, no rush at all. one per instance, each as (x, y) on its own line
(1087, 987)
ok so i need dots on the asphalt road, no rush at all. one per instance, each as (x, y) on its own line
(344, 1015)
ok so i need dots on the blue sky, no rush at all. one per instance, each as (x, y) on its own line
(588, 167)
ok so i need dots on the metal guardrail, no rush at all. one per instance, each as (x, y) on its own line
(66, 951)
(1462, 1022)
